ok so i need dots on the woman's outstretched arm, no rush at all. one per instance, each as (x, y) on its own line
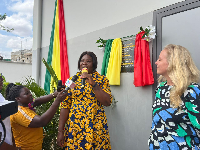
(44, 119)
(43, 99)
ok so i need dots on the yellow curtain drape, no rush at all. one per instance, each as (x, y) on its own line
(56, 50)
(115, 60)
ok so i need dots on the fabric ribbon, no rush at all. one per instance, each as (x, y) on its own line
(143, 74)
(106, 56)
(115, 61)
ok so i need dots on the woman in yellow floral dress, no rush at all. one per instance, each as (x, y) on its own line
(83, 112)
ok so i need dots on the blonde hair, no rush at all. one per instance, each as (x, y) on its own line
(181, 70)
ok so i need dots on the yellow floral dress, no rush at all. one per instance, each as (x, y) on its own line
(87, 126)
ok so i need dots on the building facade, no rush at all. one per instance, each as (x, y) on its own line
(129, 122)
(22, 56)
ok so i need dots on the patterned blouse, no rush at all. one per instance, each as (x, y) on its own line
(174, 129)
(87, 126)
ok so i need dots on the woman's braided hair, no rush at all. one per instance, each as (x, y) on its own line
(14, 92)
(9, 86)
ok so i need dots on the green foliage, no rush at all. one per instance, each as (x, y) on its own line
(3, 91)
(3, 17)
(141, 28)
(51, 130)
(126, 38)
(51, 71)
(146, 31)
(36, 90)
(102, 42)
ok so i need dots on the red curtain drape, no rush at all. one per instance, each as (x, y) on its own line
(143, 74)
(64, 65)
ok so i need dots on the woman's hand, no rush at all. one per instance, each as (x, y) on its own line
(102, 97)
(88, 78)
(55, 94)
(61, 96)
(60, 138)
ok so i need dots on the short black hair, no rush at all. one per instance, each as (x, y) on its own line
(92, 55)
(14, 92)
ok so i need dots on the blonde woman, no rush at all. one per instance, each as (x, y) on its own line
(176, 109)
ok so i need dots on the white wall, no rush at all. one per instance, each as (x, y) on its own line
(130, 121)
(85, 16)
(82, 17)
(15, 72)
